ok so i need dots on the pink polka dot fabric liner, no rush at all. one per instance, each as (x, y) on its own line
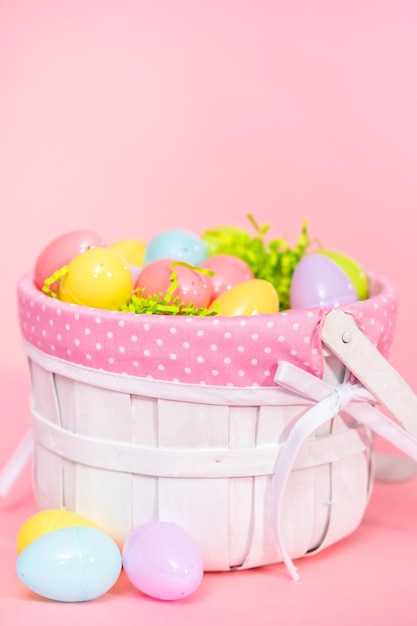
(219, 351)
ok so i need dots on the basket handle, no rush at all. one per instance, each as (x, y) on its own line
(342, 336)
(377, 381)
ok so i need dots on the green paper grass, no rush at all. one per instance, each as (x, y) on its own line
(50, 286)
(274, 261)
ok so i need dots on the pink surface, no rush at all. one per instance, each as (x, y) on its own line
(131, 116)
(135, 116)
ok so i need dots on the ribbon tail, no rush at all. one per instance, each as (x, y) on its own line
(385, 427)
(315, 417)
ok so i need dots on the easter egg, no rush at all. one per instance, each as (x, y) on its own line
(98, 278)
(136, 270)
(354, 272)
(161, 560)
(228, 271)
(132, 250)
(176, 243)
(252, 297)
(46, 521)
(61, 251)
(318, 281)
(193, 286)
(71, 564)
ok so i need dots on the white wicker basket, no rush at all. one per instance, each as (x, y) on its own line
(125, 450)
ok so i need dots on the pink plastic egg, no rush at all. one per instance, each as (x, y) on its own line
(193, 287)
(61, 251)
(229, 271)
(318, 281)
(161, 560)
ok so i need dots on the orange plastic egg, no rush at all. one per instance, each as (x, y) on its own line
(252, 297)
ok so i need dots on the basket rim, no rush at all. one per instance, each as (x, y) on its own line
(380, 286)
(240, 351)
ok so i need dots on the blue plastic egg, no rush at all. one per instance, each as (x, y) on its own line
(179, 244)
(71, 564)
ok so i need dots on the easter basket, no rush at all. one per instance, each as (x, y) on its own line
(254, 434)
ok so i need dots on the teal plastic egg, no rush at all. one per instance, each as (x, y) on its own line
(179, 244)
(71, 564)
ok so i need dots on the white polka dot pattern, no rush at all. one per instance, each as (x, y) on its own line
(221, 351)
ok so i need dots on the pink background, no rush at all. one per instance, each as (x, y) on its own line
(127, 117)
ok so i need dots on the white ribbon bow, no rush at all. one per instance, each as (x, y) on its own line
(355, 400)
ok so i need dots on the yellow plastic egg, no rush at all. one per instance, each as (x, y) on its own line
(47, 521)
(132, 250)
(252, 297)
(99, 278)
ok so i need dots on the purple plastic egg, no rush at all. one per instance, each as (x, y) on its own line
(318, 281)
(161, 560)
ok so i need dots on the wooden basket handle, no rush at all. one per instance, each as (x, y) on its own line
(341, 335)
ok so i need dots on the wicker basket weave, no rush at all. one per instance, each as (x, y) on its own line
(124, 450)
